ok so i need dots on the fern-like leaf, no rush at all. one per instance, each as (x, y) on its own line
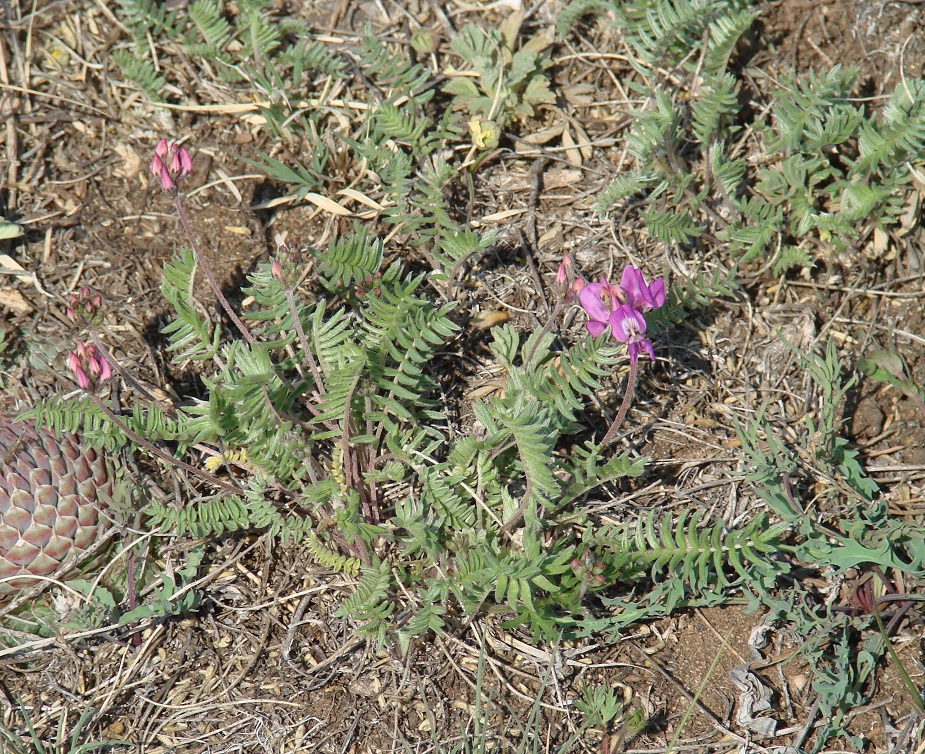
(192, 336)
(672, 227)
(573, 11)
(142, 72)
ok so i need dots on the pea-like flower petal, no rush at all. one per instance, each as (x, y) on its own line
(639, 294)
(590, 298)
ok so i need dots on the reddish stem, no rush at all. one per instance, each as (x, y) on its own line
(156, 451)
(624, 407)
(207, 271)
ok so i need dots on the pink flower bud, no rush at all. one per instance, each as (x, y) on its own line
(167, 183)
(564, 271)
(181, 163)
(186, 162)
(83, 306)
(156, 166)
(89, 366)
(170, 163)
(276, 270)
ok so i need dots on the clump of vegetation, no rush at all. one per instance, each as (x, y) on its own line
(832, 171)
(322, 420)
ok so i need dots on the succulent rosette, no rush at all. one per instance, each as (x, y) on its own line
(52, 492)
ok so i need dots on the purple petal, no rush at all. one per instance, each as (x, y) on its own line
(626, 323)
(657, 290)
(633, 284)
(595, 327)
(640, 294)
(590, 300)
(647, 345)
(162, 148)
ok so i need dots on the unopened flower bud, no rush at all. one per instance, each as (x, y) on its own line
(181, 163)
(84, 307)
(578, 285)
(564, 272)
(170, 163)
(89, 366)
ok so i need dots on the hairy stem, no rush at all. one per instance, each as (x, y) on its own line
(624, 407)
(303, 341)
(521, 509)
(207, 271)
(156, 451)
(546, 328)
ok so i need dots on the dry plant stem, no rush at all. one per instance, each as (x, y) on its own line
(156, 451)
(521, 510)
(207, 271)
(131, 598)
(624, 407)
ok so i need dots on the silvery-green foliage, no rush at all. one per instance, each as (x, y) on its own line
(336, 420)
(510, 82)
(832, 170)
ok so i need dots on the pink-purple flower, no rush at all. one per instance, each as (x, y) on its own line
(591, 299)
(639, 295)
(89, 366)
(599, 300)
(621, 307)
(171, 162)
(628, 325)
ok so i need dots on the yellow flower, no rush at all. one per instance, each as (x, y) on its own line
(485, 133)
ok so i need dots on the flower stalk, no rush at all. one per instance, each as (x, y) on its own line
(170, 164)
(621, 309)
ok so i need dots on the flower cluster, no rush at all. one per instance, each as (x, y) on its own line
(89, 365)
(83, 306)
(170, 163)
(622, 307)
(288, 265)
